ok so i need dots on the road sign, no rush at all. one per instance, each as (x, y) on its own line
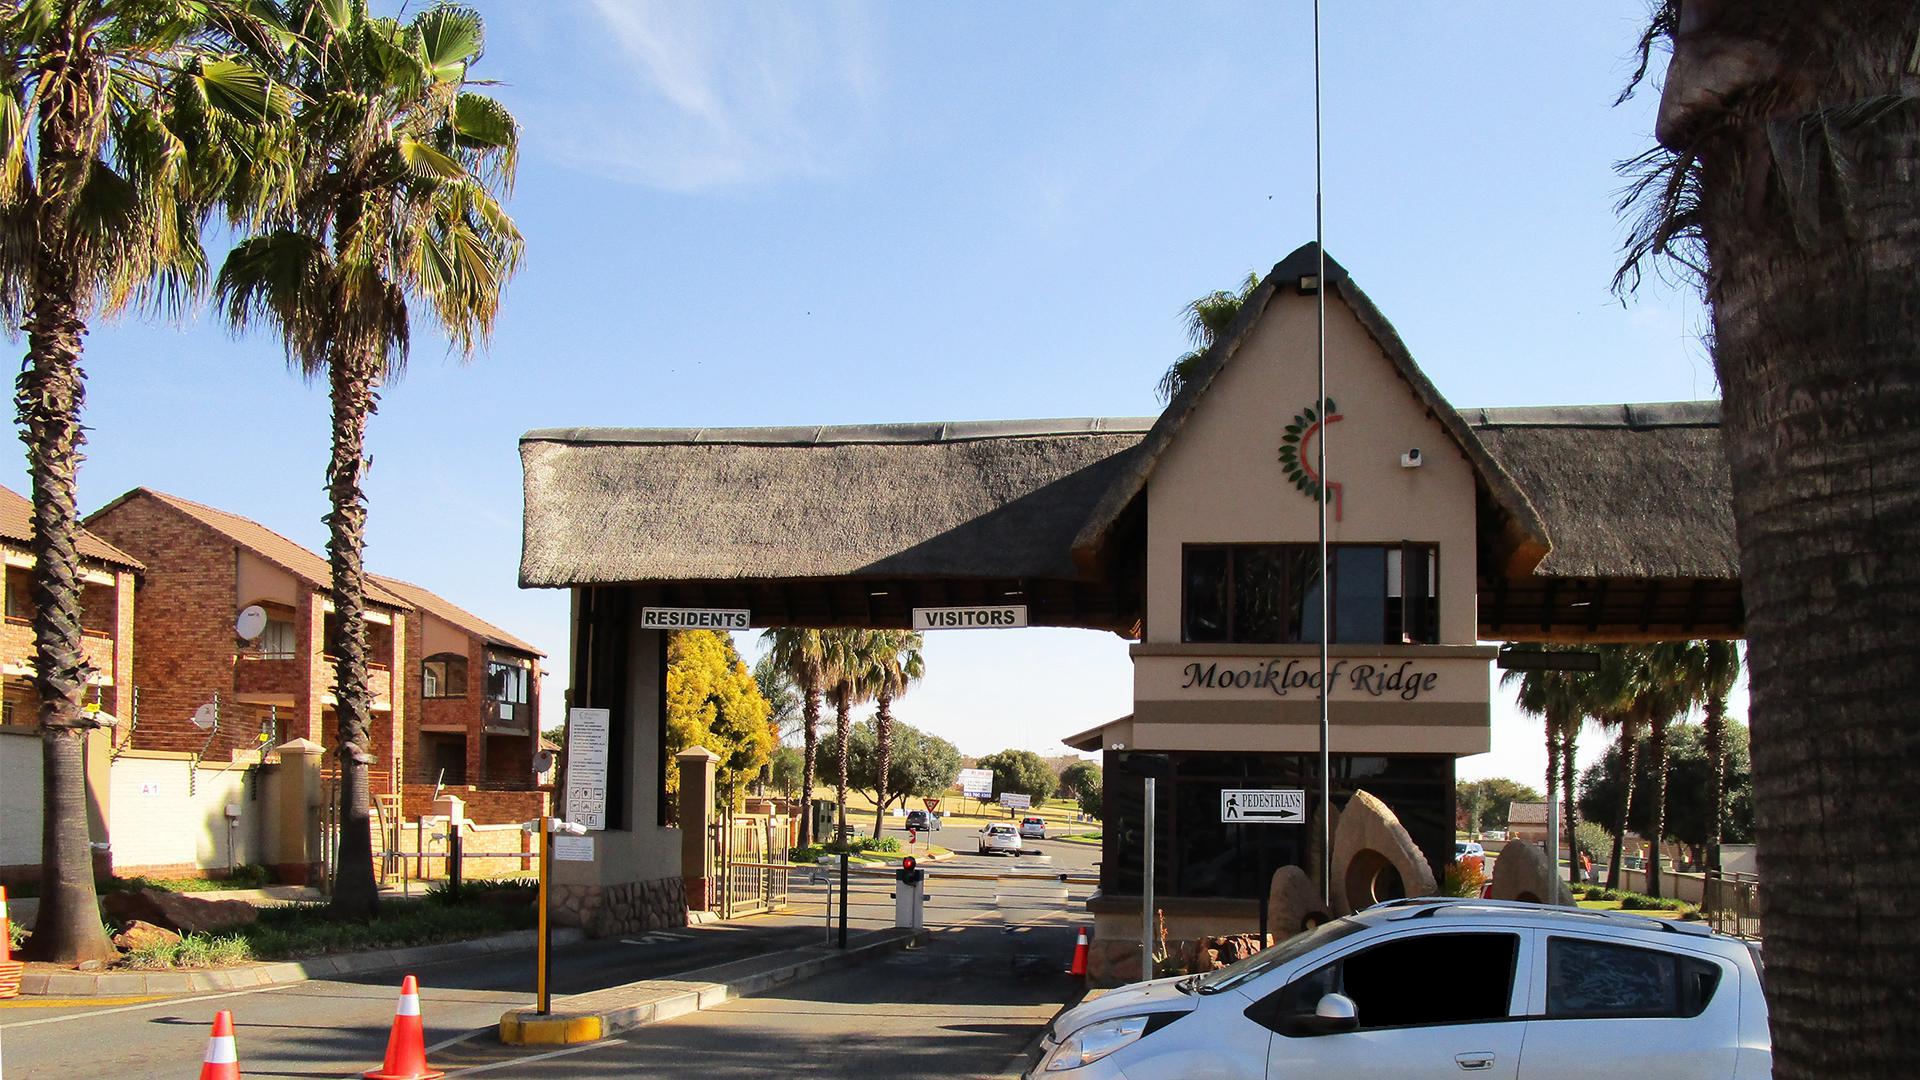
(1015, 802)
(977, 783)
(587, 767)
(993, 616)
(1263, 806)
(673, 618)
(933, 805)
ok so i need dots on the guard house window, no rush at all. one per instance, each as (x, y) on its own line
(443, 675)
(1270, 593)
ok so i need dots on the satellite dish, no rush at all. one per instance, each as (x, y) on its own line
(251, 622)
(206, 717)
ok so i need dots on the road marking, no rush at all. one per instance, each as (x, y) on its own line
(458, 1039)
(656, 937)
(63, 1003)
(149, 1005)
(530, 1060)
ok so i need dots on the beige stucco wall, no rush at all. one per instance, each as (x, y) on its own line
(258, 581)
(165, 816)
(439, 637)
(1221, 480)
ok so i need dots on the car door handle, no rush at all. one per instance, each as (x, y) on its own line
(1475, 1061)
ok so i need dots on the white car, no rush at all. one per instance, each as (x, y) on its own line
(999, 837)
(1434, 987)
(1467, 849)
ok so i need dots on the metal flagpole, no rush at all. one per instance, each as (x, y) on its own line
(1320, 449)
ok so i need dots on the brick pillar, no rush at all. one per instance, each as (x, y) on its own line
(296, 852)
(310, 642)
(698, 766)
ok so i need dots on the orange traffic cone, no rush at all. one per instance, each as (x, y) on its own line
(1079, 955)
(407, 1045)
(10, 969)
(221, 1062)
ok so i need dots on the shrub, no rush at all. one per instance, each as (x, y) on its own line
(812, 852)
(1464, 877)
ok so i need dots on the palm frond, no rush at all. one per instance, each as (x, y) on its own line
(281, 278)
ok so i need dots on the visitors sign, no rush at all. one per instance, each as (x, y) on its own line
(675, 618)
(1015, 802)
(1263, 806)
(977, 783)
(587, 767)
(969, 618)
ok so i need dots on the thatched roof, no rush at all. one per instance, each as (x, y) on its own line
(985, 500)
(16, 527)
(1627, 491)
(1524, 536)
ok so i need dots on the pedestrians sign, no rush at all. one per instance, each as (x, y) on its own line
(1263, 806)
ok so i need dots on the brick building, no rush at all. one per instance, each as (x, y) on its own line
(204, 566)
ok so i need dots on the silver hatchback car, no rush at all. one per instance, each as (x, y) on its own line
(1434, 987)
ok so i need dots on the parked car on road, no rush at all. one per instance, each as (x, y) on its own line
(1033, 828)
(999, 837)
(1428, 988)
(1494, 834)
(923, 821)
(1467, 849)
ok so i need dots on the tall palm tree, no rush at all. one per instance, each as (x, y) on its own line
(1789, 143)
(1207, 318)
(849, 681)
(1664, 690)
(402, 165)
(1612, 687)
(118, 126)
(1720, 669)
(803, 653)
(896, 665)
(1561, 699)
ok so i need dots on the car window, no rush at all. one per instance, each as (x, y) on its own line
(1413, 981)
(1266, 960)
(1599, 979)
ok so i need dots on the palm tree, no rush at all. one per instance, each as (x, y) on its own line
(897, 665)
(1663, 692)
(1207, 319)
(118, 124)
(803, 654)
(401, 166)
(1561, 699)
(850, 665)
(1612, 704)
(1720, 669)
(1784, 182)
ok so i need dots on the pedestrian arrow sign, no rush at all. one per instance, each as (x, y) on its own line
(1263, 806)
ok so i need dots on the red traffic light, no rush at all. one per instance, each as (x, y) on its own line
(909, 863)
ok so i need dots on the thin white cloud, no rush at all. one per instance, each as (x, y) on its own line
(690, 97)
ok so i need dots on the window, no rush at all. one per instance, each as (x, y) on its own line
(276, 641)
(19, 603)
(1594, 979)
(1392, 984)
(444, 675)
(1270, 593)
(508, 682)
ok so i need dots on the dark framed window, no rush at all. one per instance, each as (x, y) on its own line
(443, 675)
(1388, 989)
(510, 683)
(1270, 593)
(1588, 979)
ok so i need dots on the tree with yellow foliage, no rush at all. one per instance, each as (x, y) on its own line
(713, 701)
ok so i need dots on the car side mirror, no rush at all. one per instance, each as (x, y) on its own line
(1334, 1014)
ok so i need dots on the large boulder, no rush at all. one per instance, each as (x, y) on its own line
(1292, 900)
(177, 911)
(1373, 857)
(1522, 872)
(141, 935)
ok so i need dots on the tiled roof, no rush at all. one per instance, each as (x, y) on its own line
(264, 542)
(16, 525)
(1527, 813)
(446, 611)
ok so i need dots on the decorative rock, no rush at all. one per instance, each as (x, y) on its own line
(1523, 873)
(1373, 857)
(141, 935)
(174, 911)
(1291, 899)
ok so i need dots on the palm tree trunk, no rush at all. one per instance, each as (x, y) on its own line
(1629, 760)
(1569, 740)
(354, 399)
(1657, 742)
(1716, 709)
(1553, 767)
(49, 395)
(883, 753)
(810, 734)
(842, 732)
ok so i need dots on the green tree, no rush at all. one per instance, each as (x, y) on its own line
(401, 164)
(1492, 799)
(802, 654)
(1563, 700)
(850, 663)
(1689, 816)
(920, 765)
(713, 701)
(895, 665)
(1207, 320)
(1092, 799)
(787, 770)
(782, 694)
(121, 126)
(1078, 778)
(1784, 184)
(1022, 772)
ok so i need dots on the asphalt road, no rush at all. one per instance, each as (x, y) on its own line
(977, 973)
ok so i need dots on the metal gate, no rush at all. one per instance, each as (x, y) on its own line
(748, 880)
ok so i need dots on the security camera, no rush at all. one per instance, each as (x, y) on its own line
(1410, 459)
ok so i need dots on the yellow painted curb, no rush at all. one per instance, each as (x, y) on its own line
(520, 1027)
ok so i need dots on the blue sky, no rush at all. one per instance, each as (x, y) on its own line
(826, 213)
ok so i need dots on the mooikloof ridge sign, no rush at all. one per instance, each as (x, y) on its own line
(1404, 679)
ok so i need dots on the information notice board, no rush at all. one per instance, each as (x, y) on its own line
(587, 767)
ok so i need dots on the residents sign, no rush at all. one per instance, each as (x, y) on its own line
(677, 618)
(1263, 806)
(587, 767)
(977, 783)
(969, 618)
